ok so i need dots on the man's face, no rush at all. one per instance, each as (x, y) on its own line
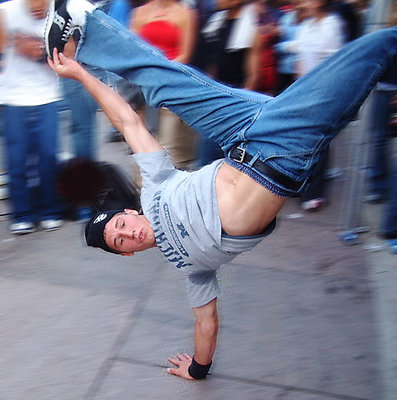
(129, 232)
(38, 8)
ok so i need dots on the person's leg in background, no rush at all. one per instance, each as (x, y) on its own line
(207, 152)
(83, 118)
(16, 146)
(83, 109)
(314, 197)
(178, 138)
(46, 130)
(388, 227)
(378, 173)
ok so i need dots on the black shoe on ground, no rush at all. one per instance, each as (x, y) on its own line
(59, 26)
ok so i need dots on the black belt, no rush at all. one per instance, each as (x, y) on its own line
(240, 155)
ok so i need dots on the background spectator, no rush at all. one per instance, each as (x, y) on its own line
(171, 27)
(382, 182)
(288, 26)
(30, 94)
(268, 33)
(320, 36)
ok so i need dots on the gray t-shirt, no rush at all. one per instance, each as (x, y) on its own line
(182, 208)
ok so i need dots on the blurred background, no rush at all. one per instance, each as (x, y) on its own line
(310, 314)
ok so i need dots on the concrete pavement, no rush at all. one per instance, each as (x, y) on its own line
(303, 316)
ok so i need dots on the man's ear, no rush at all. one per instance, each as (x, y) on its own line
(129, 211)
(127, 254)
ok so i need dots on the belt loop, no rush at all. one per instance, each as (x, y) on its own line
(254, 158)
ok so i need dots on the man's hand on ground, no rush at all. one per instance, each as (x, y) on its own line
(183, 364)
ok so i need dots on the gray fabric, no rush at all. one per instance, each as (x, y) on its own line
(183, 211)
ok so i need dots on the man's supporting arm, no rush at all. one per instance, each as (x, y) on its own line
(206, 333)
(119, 112)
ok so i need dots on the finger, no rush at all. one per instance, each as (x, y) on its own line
(55, 54)
(50, 63)
(55, 58)
(173, 361)
(187, 356)
(62, 57)
(181, 357)
(174, 371)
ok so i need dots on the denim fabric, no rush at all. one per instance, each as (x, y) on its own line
(388, 224)
(382, 170)
(379, 130)
(289, 132)
(83, 118)
(31, 135)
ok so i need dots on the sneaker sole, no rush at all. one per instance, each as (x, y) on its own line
(50, 17)
(23, 232)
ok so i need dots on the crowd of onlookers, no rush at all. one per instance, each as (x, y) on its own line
(261, 45)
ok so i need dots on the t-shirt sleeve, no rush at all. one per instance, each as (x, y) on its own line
(202, 287)
(155, 167)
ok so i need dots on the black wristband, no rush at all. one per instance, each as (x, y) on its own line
(198, 371)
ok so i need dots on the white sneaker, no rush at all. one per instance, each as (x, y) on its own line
(313, 205)
(21, 228)
(51, 224)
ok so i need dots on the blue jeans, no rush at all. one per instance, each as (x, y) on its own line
(31, 134)
(388, 224)
(83, 118)
(383, 171)
(379, 170)
(288, 133)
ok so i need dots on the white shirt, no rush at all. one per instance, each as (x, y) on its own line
(317, 40)
(25, 82)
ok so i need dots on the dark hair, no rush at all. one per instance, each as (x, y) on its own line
(327, 6)
(95, 228)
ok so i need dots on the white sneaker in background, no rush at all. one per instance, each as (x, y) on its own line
(21, 228)
(51, 224)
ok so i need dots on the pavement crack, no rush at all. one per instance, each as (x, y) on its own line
(257, 382)
(121, 339)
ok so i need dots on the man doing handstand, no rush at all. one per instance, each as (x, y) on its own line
(202, 219)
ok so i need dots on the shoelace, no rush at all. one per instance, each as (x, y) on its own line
(68, 31)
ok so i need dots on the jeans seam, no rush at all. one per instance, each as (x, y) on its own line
(254, 119)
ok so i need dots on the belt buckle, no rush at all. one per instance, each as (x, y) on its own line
(242, 155)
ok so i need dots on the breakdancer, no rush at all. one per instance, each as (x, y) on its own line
(202, 219)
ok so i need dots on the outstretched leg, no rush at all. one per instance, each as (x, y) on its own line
(294, 129)
(215, 110)
(288, 133)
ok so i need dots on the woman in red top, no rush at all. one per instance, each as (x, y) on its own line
(169, 26)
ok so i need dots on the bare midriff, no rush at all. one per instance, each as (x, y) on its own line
(245, 206)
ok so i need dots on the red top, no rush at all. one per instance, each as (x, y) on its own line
(164, 35)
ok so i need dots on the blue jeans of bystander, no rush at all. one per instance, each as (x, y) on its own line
(32, 132)
(83, 118)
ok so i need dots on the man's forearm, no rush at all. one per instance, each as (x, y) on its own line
(114, 106)
(206, 332)
(121, 115)
(205, 341)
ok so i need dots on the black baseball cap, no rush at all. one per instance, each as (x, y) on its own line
(95, 227)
